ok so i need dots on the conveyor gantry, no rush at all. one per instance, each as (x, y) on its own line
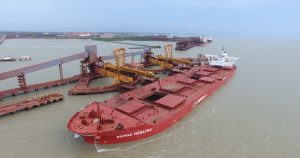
(90, 52)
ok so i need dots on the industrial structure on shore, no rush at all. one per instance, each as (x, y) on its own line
(188, 43)
(182, 42)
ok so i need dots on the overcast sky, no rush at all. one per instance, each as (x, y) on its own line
(211, 17)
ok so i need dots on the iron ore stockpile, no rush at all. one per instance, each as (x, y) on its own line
(31, 103)
(146, 105)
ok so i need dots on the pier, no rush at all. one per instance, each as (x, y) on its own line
(30, 103)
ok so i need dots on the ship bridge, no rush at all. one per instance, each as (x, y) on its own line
(222, 60)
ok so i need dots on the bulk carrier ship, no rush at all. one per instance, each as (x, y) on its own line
(153, 108)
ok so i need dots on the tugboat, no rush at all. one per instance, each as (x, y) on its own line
(153, 108)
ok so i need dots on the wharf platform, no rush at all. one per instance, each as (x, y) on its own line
(30, 103)
(39, 86)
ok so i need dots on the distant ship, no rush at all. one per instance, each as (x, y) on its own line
(153, 108)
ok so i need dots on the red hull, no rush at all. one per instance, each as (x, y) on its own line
(141, 121)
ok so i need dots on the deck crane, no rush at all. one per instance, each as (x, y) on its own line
(120, 71)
